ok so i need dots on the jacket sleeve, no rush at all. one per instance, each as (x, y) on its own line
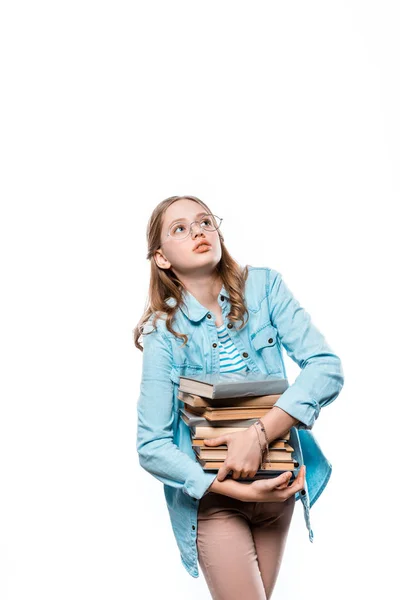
(321, 377)
(157, 452)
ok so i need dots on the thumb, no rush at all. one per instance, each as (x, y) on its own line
(214, 441)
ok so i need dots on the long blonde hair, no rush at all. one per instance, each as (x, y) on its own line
(164, 283)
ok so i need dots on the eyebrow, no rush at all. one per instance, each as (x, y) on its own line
(182, 218)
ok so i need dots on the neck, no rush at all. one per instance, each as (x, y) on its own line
(204, 289)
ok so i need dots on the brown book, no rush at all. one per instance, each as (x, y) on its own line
(194, 420)
(221, 452)
(229, 413)
(213, 431)
(278, 443)
(200, 401)
(289, 465)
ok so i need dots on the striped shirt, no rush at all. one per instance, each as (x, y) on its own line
(229, 357)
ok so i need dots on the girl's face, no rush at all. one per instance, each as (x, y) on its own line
(178, 254)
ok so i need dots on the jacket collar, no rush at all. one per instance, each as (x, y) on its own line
(192, 308)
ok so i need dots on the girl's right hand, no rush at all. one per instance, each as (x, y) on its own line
(275, 489)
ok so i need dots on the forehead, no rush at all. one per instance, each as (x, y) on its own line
(182, 209)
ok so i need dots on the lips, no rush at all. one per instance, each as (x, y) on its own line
(202, 247)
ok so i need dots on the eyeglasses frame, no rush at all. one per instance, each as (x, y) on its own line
(190, 228)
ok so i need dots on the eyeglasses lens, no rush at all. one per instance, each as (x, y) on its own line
(181, 229)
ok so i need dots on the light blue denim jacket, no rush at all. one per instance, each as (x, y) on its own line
(276, 319)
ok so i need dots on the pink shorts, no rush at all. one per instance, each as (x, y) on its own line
(241, 544)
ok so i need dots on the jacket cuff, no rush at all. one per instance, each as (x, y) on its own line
(198, 487)
(304, 409)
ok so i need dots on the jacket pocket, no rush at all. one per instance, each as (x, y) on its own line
(184, 369)
(265, 342)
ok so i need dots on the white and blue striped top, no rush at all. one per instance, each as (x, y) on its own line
(229, 357)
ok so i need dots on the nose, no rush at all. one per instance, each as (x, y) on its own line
(200, 230)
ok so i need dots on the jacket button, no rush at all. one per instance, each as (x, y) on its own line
(303, 492)
(222, 297)
(230, 325)
(193, 527)
(270, 340)
(245, 354)
(215, 345)
(208, 316)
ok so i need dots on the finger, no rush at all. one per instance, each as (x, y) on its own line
(298, 484)
(245, 472)
(285, 484)
(223, 472)
(236, 474)
(301, 476)
(299, 479)
(214, 441)
(303, 480)
(283, 478)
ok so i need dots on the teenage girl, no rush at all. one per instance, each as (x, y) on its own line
(236, 530)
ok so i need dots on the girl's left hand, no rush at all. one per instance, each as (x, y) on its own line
(243, 457)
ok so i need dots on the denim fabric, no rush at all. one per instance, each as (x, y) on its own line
(276, 320)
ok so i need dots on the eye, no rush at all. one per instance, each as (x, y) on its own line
(176, 227)
(207, 221)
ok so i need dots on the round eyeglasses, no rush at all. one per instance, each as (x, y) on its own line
(180, 230)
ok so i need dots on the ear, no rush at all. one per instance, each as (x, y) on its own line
(161, 260)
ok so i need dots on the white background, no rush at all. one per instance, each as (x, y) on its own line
(283, 117)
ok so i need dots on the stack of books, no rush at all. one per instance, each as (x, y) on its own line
(217, 404)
